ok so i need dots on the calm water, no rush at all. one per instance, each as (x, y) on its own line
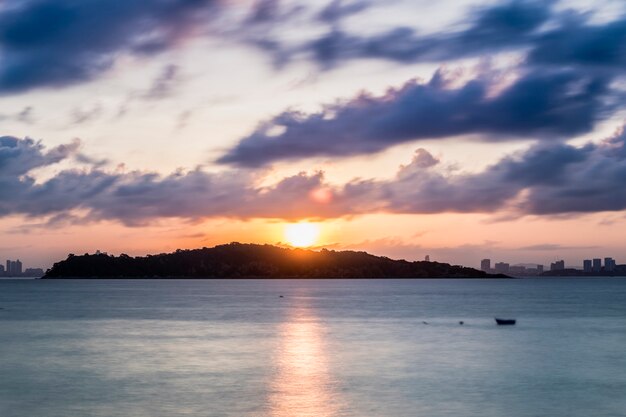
(328, 348)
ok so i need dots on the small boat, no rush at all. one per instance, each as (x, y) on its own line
(505, 322)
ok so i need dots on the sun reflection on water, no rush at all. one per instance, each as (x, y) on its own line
(303, 385)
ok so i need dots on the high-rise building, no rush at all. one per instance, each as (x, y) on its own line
(14, 268)
(539, 269)
(485, 265)
(587, 265)
(557, 266)
(609, 264)
(427, 258)
(597, 265)
(1, 269)
(502, 267)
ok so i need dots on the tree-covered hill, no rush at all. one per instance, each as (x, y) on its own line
(237, 260)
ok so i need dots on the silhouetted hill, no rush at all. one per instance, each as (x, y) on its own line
(237, 260)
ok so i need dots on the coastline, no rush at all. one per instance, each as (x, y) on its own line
(184, 277)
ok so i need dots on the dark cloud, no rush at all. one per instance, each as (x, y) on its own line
(420, 188)
(547, 36)
(338, 10)
(266, 11)
(548, 179)
(490, 30)
(543, 104)
(138, 197)
(20, 156)
(565, 180)
(578, 42)
(591, 183)
(59, 42)
(54, 43)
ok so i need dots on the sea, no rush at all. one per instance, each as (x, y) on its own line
(305, 348)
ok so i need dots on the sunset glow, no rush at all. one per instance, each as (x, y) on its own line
(303, 385)
(302, 234)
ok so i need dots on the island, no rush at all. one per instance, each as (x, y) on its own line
(238, 260)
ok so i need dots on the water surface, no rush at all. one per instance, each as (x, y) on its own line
(354, 348)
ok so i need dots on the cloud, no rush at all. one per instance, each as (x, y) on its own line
(54, 43)
(554, 247)
(578, 42)
(24, 116)
(272, 13)
(81, 115)
(490, 29)
(547, 35)
(547, 179)
(539, 104)
(164, 84)
(138, 197)
(337, 10)
(20, 156)
(591, 183)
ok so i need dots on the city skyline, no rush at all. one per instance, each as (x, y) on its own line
(594, 265)
(17, 269)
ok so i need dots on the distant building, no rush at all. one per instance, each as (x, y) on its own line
(485, 265)
(517, 270)
(597, 265)
(539, 269)
(557, 266)
(34, 272)
(427, 258)
(502, 267)
(587, 265)
(14, 268)
(609, 264)
(1, 269)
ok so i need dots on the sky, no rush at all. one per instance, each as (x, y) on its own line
(457, 129)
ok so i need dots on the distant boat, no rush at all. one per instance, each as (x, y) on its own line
(505, 322)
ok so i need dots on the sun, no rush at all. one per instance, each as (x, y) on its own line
(302, 234)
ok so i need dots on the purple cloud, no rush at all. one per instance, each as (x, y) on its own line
(539, 104)
(53, 43)
(547, 179)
